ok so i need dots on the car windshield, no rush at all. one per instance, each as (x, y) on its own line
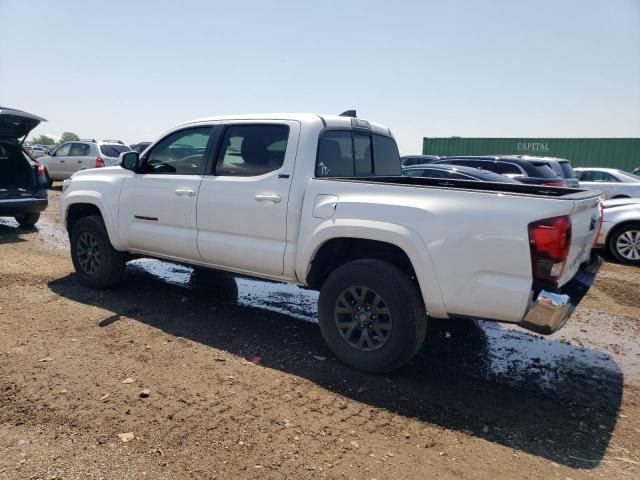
(494, 177)
(113, 150)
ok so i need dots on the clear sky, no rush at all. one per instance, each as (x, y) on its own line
(132, 69)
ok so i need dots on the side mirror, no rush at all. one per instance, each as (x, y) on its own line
(130, 160)
(53, 153)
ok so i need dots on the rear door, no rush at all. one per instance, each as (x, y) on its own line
(57, 163)
(242, 205)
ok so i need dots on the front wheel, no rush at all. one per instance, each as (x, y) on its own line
(372, 315)
(97, 263)
(624, 243)
(27, 220)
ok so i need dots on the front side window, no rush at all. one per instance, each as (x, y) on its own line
(63, 151)
(343, 153)
(181, 152)
(79, 150)
(251, 150)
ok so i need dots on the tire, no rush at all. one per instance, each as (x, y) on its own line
(97, 263)
(396, 336)
(624, 243)
(27, 220)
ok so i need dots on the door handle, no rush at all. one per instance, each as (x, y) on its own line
(268, 198)
(185, 191)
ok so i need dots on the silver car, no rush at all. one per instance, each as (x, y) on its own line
(70, 157)
(620, 232)
(612, 182)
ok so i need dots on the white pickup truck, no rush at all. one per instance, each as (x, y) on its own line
(319, 201)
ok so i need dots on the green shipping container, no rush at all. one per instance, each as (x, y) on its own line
(622, 153)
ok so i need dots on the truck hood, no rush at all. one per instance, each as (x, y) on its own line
(108, 171)
(16, 124)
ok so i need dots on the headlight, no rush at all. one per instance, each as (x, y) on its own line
(65, 185)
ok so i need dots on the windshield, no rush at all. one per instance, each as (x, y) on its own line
(113, 150)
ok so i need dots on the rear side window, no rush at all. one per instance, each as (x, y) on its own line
(505, 168)
(251, 150)
(347, 154)
(567, 170)
(113, 150)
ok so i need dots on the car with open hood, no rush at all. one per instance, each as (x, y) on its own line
(23, 193)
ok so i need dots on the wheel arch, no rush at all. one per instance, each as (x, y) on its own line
(77, 207)
(335, 243)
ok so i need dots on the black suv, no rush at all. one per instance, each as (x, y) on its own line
(23, 193)
(526, 170)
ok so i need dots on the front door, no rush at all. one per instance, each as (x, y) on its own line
(242, 207)
(157, 213)
(57, 164)
(79, 158)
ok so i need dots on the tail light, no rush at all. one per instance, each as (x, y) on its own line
(99, 162)
(549, 241)
(555, 183)
(40, 169)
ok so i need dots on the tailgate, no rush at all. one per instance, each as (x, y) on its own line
(585, 223)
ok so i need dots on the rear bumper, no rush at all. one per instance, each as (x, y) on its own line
(551, 310)
(11, 207)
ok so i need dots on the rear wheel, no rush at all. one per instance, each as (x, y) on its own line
(96, 262)
(27, 220)
(372, 316)
(624, 243)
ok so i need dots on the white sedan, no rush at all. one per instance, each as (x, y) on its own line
(620, 231)
(612, 182)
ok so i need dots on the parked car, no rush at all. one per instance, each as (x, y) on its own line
(620, 232)
(529, 171)
(140, 147)
(409, 160)
(612, 182)
(37, 151)
(561, 166)
(23, 193)
(319, 201)
(71, 157)
(455, 172)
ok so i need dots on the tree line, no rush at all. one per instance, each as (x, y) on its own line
(46, 140)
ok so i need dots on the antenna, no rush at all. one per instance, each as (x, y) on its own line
(349, 113)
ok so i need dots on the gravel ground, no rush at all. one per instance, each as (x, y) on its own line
(233, 380)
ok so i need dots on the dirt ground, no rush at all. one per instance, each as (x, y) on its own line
(241, 385)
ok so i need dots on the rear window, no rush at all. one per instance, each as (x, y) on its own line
(113, 150)
(343, 153)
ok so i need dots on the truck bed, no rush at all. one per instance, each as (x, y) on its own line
(470, 185)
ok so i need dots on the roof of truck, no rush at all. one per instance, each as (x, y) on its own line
(332, 121)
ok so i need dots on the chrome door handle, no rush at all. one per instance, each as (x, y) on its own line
(268, 198)
(185, 191)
